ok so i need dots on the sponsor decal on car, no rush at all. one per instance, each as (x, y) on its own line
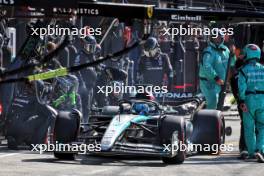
(116, 127)
(174, 95)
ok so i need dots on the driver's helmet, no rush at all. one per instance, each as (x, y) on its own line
(141, 108)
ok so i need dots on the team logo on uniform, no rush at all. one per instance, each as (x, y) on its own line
(160, 61)
(150, 12)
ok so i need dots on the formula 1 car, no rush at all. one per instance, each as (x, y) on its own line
(144, 128)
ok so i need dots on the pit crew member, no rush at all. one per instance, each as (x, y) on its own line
(213, 68)
(154, 66)
(87, 77)
(251, 95)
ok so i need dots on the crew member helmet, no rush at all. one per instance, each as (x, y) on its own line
(217, 37)
(89, 44)
(151, 47)
(251, 51)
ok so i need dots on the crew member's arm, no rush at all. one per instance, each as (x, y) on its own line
(2, 70)
(242, 87)
(56, 103)
(233, 70)
(141, 67)
(207, 64)
(167, 68)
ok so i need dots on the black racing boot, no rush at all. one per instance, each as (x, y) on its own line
(243, 155)
(260, 157)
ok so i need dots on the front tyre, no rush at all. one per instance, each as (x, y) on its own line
(173, 132)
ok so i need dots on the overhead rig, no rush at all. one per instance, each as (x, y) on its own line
(60, 9)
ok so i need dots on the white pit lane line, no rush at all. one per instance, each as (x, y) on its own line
(7, 155)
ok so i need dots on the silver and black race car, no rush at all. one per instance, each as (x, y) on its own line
(145, 128)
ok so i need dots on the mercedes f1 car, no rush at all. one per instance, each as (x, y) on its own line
(145, 128)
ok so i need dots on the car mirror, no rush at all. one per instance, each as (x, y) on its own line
(124, 107)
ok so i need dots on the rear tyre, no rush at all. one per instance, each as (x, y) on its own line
(169, 126)
(208, 130)
(11, 143)
(65, 132)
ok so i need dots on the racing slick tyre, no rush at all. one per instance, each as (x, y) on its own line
(65, 131)
(172, 132)
(208, 130)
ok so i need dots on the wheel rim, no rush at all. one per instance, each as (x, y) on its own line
(222, 134)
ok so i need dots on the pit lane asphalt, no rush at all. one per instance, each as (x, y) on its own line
(27, 163)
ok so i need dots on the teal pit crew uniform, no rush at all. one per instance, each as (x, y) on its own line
(251, 92)
(213, 67)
